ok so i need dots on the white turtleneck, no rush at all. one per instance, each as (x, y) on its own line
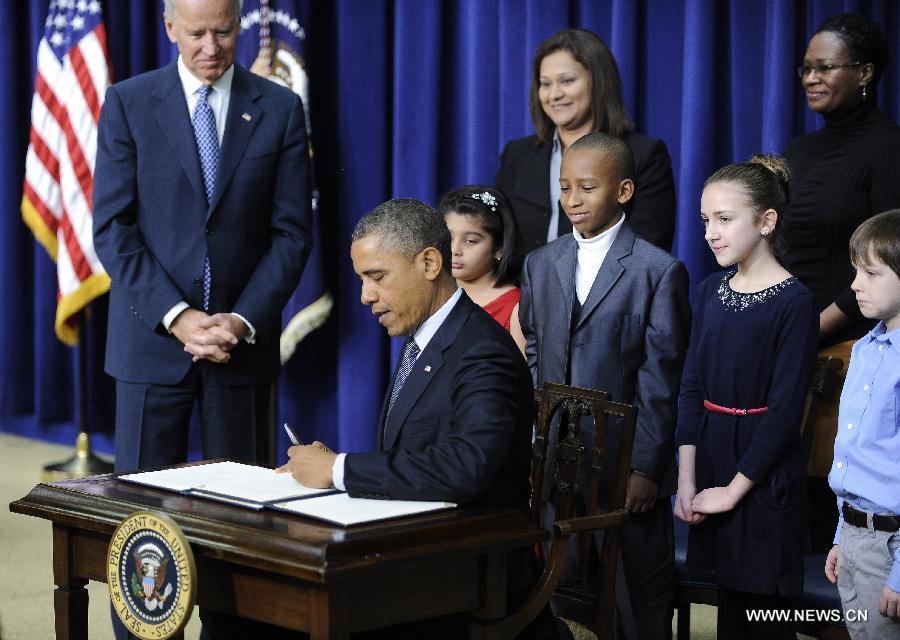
(591, 253)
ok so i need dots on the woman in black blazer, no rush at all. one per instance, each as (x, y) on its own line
(575, 89)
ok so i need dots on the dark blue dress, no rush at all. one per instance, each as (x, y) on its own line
(749, 351)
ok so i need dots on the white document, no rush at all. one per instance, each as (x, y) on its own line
(341, 509)
(185, 478)
(258, 484)
(241, 484)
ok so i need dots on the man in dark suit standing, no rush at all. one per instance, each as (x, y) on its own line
(456, 420)
(201, 218)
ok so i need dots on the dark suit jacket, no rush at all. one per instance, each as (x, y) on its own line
(153, 228)
(460, 430)
(524, 177)
(630, 337)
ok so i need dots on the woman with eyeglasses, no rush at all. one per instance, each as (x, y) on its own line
(576, 89)
(845, 172)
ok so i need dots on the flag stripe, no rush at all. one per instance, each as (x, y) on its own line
(43, 153)
(80, 265)
(93, 53)
(83, 74)
(45, 214)
(76, 157)
(44, 187)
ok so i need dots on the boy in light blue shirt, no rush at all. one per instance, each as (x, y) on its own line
(865, 474)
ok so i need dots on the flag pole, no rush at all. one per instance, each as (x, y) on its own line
(83, 462)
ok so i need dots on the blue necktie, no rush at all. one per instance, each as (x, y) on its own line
(407, 360)
(208, 148)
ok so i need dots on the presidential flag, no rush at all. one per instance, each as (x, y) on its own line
(69, 86)
(272, 45)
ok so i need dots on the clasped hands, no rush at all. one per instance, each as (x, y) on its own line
(208, 337)
(311, 465)
(693, 507)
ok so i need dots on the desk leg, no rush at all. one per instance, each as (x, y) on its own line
(328, 617)
(494, 572)
(70, 600)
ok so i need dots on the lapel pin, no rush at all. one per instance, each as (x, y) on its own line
(427, 368)
(246, 117)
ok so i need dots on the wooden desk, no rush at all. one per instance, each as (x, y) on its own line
(287, 570)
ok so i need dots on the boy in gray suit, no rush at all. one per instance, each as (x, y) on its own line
(606, 310)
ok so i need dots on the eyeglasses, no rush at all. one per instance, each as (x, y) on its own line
(822, 69)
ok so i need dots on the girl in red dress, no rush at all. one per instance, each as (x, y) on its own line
(486, 258)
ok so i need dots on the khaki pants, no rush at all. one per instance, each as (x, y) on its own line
(865, 559)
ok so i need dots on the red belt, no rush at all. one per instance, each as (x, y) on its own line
(732, 412)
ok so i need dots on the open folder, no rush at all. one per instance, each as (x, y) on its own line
(258, 487)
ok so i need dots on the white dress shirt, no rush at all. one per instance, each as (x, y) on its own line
(555, 164)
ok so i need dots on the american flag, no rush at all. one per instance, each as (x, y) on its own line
(70, 83)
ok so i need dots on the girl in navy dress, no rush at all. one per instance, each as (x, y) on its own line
(741, 481)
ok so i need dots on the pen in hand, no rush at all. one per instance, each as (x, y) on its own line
(291, 435)
(296, 440)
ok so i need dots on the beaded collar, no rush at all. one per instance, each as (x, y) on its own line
(737, 301)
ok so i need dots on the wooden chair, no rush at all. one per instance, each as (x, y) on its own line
(574, 466)
(701, 588)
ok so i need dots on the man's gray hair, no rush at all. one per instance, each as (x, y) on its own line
(169, 8)
(408, 227)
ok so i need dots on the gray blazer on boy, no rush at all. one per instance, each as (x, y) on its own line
(629, 338)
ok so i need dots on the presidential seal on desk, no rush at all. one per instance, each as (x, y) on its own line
(151, 575)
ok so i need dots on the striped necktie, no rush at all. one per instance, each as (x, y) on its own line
(407, 361)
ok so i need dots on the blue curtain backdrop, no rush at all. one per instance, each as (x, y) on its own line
(412, 98)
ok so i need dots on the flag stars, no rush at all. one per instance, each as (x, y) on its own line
(82, 6)
(77, 23)
(94, 6)
(57, 39)
(60, 21)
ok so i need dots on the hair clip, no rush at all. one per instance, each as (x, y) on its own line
(486, 198)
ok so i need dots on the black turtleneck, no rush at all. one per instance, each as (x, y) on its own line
(842, 174)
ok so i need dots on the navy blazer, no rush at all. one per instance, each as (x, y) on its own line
(630, 338)
(153, 227)
(460, 429)
(524, 178)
